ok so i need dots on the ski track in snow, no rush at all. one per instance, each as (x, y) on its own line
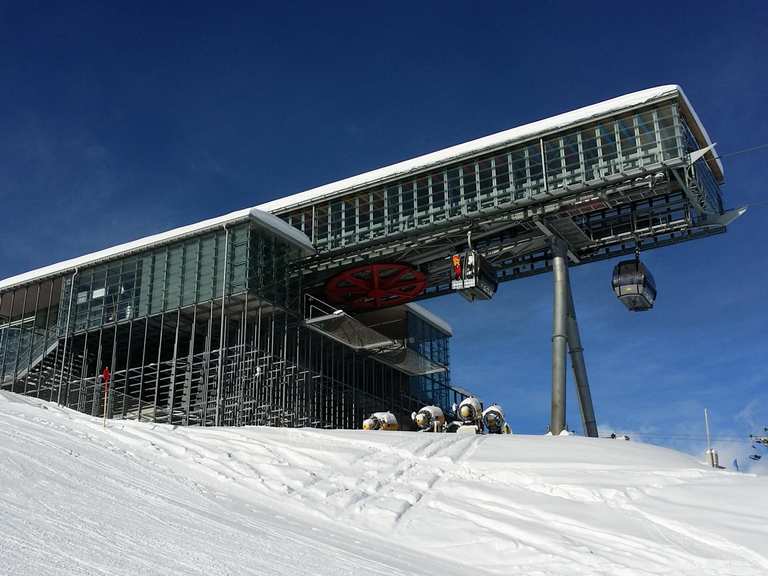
(135, 498)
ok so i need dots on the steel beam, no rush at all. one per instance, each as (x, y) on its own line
(559, 335)
(220, 373)
(588, 420)
(66, 331)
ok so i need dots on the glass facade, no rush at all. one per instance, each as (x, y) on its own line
(205, 330)
(181, 274)
(29, 326)
(632, 143)
(208, 329)
(432, 343)
(701, 179)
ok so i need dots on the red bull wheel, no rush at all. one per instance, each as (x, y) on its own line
(374, 286)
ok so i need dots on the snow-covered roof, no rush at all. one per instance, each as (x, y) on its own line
(281, 228)
(265, 219)
(263, 212)
(430, 317)
(487, 143)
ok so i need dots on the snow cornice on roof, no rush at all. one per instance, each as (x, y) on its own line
(492, 142)
(267, 221)
(264, 212)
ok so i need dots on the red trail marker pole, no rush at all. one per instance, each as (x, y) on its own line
(105, 376)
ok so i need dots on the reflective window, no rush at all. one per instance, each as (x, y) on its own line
(628, 143)
(625, 144)
(501, 175)
(485, 182)
(647, 132)
(608, 151)
(469, 187)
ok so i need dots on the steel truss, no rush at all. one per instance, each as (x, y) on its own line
(565, 335)
(264, 367)
(646, 212)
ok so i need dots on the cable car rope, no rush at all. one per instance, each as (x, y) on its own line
(744, 151)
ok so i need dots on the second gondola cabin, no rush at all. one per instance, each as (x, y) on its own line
(634, 285)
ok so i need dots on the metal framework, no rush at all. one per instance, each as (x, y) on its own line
(635, 178)
(208, 330)
(565, 335)
(632, 177)
(205, 325)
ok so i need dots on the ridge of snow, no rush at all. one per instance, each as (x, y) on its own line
(138, 498)
(281, 228)
(265, 219)
(438, 157)
(492, 141)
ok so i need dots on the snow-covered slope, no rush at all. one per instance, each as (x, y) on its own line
(141, 499)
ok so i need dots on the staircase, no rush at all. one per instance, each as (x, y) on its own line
(37, 369)
(257, 388)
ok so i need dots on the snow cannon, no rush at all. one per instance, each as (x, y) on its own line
(429, 419)
(470, 411)
(469, 417)
(494, 421)
(381, 421)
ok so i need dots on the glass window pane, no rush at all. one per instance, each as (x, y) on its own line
(647, 135)
(501, 175)
(454, 192)
(486, 183)
(628, 142)
(608, 152)
(590, 153)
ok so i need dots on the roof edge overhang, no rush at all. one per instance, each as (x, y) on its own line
(430, 317)
(264, 213)
(702, 136)
(264, 219)
(487, 144)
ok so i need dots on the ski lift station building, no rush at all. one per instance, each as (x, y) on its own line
(302, 312)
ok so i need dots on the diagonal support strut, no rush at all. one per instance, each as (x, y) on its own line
(565, 335)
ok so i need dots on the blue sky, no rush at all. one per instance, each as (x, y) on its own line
(119, 122)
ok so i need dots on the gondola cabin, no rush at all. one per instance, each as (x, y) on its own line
(633, 284)
(473, 276)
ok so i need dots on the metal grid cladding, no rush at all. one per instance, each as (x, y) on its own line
(202, 331)
(204, 324)
(606, 185)
(627, 143)
(432, 343)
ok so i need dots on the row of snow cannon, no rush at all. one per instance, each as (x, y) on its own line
(470, 418)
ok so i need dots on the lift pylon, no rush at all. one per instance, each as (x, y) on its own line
(565, 335)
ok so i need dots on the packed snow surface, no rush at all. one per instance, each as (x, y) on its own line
(76, 498)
